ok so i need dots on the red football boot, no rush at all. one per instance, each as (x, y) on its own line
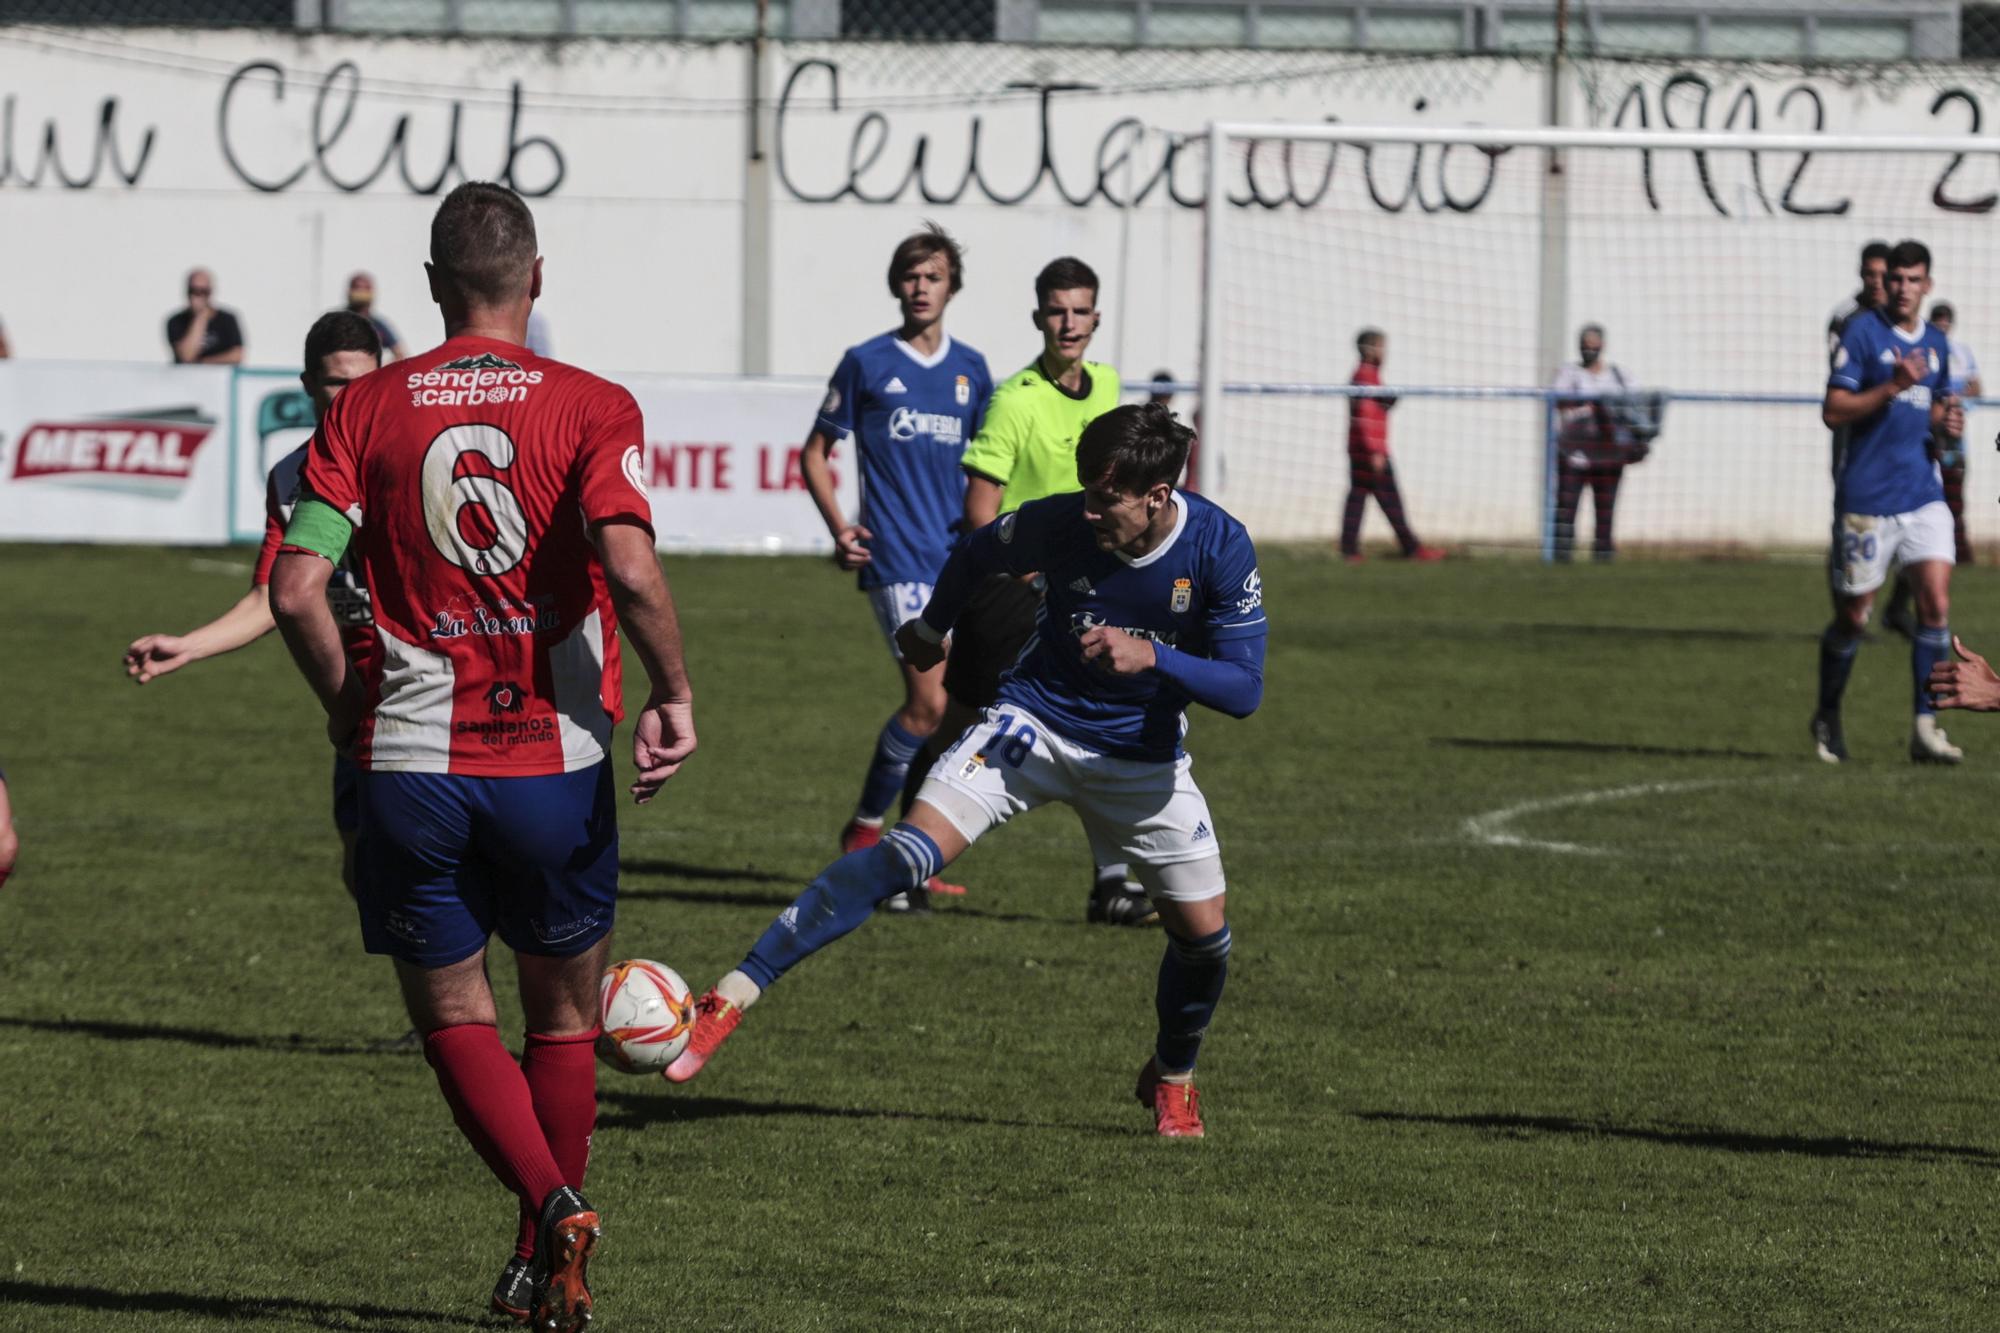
(714, 1019)
(1176, 1106)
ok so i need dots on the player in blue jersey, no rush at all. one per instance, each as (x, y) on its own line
(1889, 384)
(912, 400)
(1154, 602)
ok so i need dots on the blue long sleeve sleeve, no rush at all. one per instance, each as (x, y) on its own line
(1231, 682)
(983, 553)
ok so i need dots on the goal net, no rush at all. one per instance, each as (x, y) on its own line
(1712, 261)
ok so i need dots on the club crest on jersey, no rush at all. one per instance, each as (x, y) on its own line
(1007, 525)
(1183, 597)
(962, 391)
(1931, 352)
(832, 403)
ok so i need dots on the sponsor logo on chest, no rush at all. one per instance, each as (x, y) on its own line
(943, 427)
(471, 381)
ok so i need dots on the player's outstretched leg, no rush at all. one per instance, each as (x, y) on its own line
(836, 902)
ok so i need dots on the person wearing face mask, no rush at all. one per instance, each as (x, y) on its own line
(361, 301)
(1592, 446)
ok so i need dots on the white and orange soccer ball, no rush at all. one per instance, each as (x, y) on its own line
(648, 1015)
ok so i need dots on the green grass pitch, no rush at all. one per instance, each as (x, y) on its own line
(1568, 992)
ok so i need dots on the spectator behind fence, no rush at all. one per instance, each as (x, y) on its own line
(1594, 442)
(1369, 471)
(361, 301)
(202, 332)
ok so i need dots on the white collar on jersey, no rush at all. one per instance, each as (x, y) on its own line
(1180, 521)
(1907, 335)
(932, 361)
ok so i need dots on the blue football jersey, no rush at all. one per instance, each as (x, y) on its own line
(1194, 590)
(911, 418)
(1886, 467)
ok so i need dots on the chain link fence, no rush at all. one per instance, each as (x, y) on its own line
(1831, 31)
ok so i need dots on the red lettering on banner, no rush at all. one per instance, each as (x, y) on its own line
(688, 467)
(790, 477)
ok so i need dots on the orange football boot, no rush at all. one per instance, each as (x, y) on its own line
(714, 1019)
(1176, 1106)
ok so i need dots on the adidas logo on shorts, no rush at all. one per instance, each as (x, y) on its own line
(1201, 831)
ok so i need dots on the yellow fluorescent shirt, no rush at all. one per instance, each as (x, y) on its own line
(1028, 440)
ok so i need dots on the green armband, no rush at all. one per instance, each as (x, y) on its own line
(317, 526)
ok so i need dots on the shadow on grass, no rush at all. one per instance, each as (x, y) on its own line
(1601, 747)
(776, 902)
(1687, 633)
(317, 1314)
(640, 865)
(631, 1110)
(1696, 1136)
(294, 1044)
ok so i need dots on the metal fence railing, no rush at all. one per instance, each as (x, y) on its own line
(1779, 30)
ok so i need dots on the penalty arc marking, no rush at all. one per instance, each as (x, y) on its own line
(1494, 828)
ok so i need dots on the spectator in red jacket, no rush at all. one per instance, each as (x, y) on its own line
(1368, 468)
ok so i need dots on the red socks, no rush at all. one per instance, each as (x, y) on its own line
(562, 1081)
(491, 1102)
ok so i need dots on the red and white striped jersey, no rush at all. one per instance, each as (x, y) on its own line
(472, 474)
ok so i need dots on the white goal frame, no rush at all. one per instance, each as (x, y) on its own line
(1552, 319)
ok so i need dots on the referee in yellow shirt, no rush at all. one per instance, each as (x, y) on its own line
(1026, 450)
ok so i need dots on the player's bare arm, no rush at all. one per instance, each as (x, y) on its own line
(154, 655)
(10, 842)
(982, 500)
(299, 605)
(663, 736)
(850, 550)
(1843, 406)
(1969, 683)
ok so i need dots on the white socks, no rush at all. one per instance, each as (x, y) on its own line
(738, 989)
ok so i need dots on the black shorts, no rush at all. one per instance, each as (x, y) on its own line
(995, 626)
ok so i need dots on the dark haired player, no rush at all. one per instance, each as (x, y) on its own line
(912, 400)
(341, 347)
(1890, 384)
(1154, 602)
(1026, 450)
(493, 501)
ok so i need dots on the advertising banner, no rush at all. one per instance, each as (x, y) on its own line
(114, 453)
(722, 464)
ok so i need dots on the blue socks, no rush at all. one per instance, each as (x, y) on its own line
(894, 749)
(1191, 977)
(842, 898)
(1836, 664)
(1931, 646)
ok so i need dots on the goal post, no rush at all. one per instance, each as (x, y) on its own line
(1712, 260)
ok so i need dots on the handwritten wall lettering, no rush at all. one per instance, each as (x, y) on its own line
(333, 107)
(105, 151)
(1128, 165)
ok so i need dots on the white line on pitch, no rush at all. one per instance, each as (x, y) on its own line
(218, 566)
(1491, 828)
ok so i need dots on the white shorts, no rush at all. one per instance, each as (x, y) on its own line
(1147, 813)
(1865, 545)
(896, 605)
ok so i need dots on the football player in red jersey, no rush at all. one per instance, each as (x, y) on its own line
(494, 503)
(340, 348)
(10, 842)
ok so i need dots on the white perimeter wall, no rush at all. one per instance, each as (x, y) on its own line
(280, 163)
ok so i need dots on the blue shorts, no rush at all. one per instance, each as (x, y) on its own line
(346, 794)
(445, 860)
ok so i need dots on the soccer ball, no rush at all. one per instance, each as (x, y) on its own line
(647, 1013)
